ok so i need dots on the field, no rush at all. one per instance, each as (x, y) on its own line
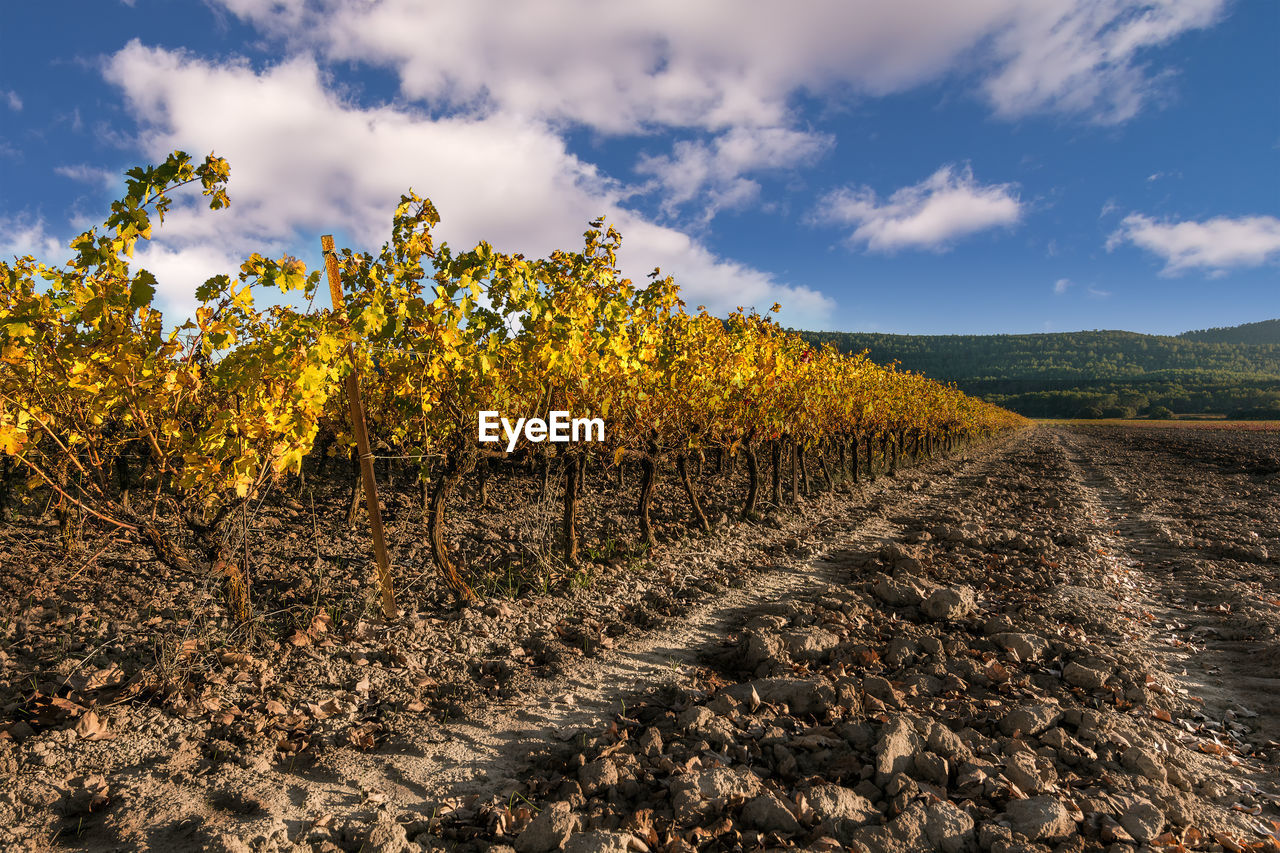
(1172, 423)
(1062, 639)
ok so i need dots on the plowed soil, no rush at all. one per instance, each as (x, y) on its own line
(1063, 640)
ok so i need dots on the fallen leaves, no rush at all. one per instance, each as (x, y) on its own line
(293, 744)
(85, 795)
(366, 736)
(42, 711)
(996, 671)
(92, 727)
(321, 710)
(98, 679)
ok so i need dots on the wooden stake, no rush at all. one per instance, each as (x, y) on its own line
(362, 442)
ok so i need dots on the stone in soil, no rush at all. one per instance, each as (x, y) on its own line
(1040, 819)
(1142, 819)
(768, 813)
(1030, 719)
(1028, 647)
(949, 604)
(896, 749)
(598, 841)
(550, 830)
(1079, 675)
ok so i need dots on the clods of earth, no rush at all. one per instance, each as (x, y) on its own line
(1066, 641)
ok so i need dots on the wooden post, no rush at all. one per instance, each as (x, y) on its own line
(362, 442)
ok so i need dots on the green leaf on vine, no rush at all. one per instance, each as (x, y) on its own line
(142, 290)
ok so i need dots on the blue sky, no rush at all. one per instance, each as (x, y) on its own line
(919, 166)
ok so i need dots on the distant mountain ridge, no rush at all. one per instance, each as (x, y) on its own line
(1232, 370)
(1265, 332)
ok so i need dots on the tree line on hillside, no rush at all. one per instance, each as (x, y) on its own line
(1089, 374)
(1265, 332)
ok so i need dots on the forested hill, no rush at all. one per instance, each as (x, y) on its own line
(1065, 355)
(1093, 374)
(1266, 332)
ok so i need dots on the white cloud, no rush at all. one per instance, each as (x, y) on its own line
(498, 84)
(1087, 57)
(1097, 292)
(619, 67)
(1215, 245)
(932, 214)
(718, 169)
(181, 269)
(1061, 286)
(21, 235)
(87, 174)
(304, 162)
(13, 100)
(720, 284)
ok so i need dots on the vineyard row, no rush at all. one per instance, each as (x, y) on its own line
(162, 434)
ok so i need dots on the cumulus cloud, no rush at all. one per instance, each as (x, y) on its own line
(1214, 245)
(932, 214)
(87, 174)
(13, 100)
(619, 67)
(22, 235)
(718, 169)
(1087, 57)
(303, 162)
(488, 91)
(180, 268)
(1061, 286)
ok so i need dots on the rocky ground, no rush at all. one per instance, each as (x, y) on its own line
(1065, 641)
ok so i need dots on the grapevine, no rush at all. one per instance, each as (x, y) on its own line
(160, 436)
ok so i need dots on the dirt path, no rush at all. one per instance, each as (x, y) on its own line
(1214, 628)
